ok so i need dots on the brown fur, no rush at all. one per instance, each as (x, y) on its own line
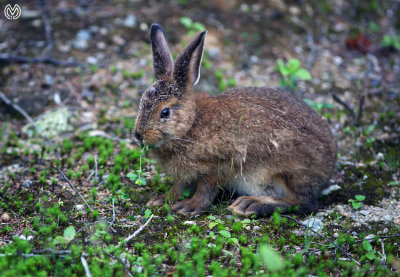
(269, 147)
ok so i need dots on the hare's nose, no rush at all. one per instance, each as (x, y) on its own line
(138, 136)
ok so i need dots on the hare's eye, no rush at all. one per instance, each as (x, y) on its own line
(165, 113)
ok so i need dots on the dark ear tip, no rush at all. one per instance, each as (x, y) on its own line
(154, 28)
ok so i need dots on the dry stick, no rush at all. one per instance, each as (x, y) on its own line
(345, 105)
(86, 266)
(95, 168)
(47, 27)
(45, 60)
(51, 251)
(325, 238)
(21, 111)
(113, 211)
(70, 184)
(122, 262)
(135, 233)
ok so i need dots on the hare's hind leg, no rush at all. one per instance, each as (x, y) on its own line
(279, 194)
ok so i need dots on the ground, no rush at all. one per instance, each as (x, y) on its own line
(84, 101)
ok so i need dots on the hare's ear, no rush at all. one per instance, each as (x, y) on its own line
(162, 59)
(187, 65)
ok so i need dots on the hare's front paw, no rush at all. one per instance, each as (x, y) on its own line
(189, 207)
(157, 200)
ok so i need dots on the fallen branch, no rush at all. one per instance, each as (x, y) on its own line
(44, 60)
(325, 238)
(51, 251)
(21, 111)
(135, 233)
(86, 266)
(345, 105)
(70, 184)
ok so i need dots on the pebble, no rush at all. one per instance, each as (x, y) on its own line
(5, 217)
(354, 233)
(387, 218)
(79, 207)
(256, 228)
(335, 235)
(337, 60)
(385, 231)
(189, 222)
(330, 189)
(130, 21)
(370, 237)
(365, 212)
(91, 60)
(48, 79)
(27, 184)
(143, 26)
(82, 39)
(314, 223)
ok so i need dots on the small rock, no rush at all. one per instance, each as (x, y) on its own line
(129, 21)
(293, 10)
(354, 233)
(330, 189)
(365, 212)
(27, 184)
(380, 156)
(385, 231)
(256, 228)
(335, 235)
(79, 207)
(101, 45)
(254, 59)
(82, 39)
(370, 237)
(314, 223)
(337, 60)
(91, 60)
(144, 26)
(247, 228)
(5, 217)
(189, 222)
(48, 79)
(387, 218)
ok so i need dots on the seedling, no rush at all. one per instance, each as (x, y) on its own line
(69, 235)
(291, 72)
(357, 202)
(191, 26)
(391, 41)
(370, 252)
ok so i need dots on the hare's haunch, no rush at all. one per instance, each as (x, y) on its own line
(268, 147)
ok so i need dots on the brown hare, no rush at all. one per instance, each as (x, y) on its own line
(268, 147)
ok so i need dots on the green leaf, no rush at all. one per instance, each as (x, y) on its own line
(367, 246)
(270, 258)
(212, 224)
(293, 65)
(147, 213)
(211, 217)
(60, 240)
(233, 241)
(186, 21)
(360, 197)
(69, 233)
(225, 234)
(370, 255)
(132, 176)
(356, 205)
(302, 74)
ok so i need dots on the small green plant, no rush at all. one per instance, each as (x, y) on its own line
(69, 235)
(291, 72)
(391, 41)
(137, 176)
(357, 202)
(370, 252)
(191, 26)
(270, 259)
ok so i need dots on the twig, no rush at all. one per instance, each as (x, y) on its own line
(90, 176)
(345, 105)
(325, 238)
(47, 27)
(70, 184)
(95, 168)
(51, 251)
(86, 266)
(135, 233)
(113, 211)
(4, 58)
(21, 111)
(123, 263)
(360, 109)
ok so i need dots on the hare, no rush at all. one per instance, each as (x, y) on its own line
(266, 146)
